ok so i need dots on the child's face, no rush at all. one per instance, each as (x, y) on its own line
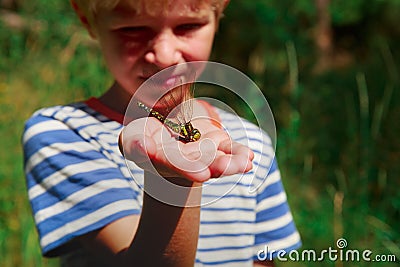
(136, 46)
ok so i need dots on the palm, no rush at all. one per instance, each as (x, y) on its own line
(151, 146)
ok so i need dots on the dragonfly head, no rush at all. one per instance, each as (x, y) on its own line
(195, 135)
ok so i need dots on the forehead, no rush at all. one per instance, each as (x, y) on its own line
(155, 7)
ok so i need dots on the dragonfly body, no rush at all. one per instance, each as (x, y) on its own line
(186, 131)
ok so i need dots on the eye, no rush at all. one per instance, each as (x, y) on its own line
(188, 27)
(133, 29)
(136, 33)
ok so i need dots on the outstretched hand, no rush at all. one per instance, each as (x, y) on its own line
(154, 148)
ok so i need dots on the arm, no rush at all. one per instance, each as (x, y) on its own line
(166, 235)
(159, 238)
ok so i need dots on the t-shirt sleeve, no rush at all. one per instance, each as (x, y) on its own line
(73, 187)
(275, 228)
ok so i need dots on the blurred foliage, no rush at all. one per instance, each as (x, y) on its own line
(338, 145)
(336, 125)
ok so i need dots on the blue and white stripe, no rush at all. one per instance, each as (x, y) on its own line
(79, 182)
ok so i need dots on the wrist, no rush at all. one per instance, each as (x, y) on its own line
(175, 191)
(180, 181)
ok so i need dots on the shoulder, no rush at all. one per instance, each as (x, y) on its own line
(45, 120)
(56, 115)
(61, 113)
(74, 117)
(57, 125)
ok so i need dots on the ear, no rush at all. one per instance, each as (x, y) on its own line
(226, 2)
(83, 18)
(221, 11)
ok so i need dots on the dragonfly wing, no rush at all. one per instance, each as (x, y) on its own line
(179, 103)
(178, 107)
(187, 92)
(186, 106)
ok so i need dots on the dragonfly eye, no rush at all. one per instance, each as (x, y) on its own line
(196, 134)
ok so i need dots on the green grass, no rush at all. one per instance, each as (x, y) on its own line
(33, 77)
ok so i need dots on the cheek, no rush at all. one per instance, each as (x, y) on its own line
(201, 45)
(111, 54)
(121, 57)
(198, 51)
(120, 54)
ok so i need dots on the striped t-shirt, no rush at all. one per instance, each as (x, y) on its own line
(78, 181)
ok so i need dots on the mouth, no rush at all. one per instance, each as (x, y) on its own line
(169, 77)
(159, 88)
(161, 94)
(167, 82)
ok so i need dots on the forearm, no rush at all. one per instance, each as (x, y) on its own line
(167, 235)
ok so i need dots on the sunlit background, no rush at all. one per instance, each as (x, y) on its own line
(329, 69)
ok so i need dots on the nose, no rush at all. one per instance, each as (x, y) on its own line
(164, 50)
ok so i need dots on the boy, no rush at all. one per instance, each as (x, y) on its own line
(85, 206)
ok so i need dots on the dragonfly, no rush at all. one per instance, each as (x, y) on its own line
(181, 99)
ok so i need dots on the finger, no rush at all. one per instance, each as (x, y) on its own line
(218, 136)
(229, 147)
(139, 148)
(227, 164)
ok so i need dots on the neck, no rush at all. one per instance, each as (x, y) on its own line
(116, 98)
